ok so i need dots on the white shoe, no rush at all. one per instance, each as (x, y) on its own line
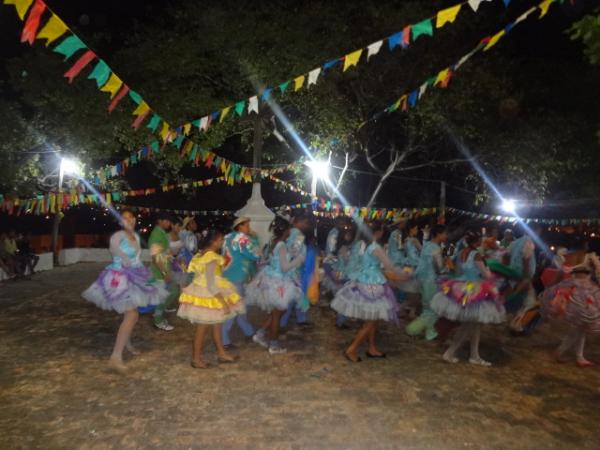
(277, 349)
(164, 326)
(260, 339)
(479, 362)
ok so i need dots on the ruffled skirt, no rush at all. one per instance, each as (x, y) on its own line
(469, 301)
(366, 301)
(270, 292)
(127, 288)
(573, 303)
(198, 305)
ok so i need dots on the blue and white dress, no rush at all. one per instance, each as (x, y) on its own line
(276, 285)
(409, 264)
(395, 248)
(126, 283)
(368, 296)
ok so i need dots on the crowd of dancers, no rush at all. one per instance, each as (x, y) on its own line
(416, 280)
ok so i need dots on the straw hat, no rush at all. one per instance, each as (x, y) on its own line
(240, 220)
(186, 221)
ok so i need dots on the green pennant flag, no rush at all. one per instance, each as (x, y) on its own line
(100, 73)
(116, 196)
(431, 81)
(194, 152)
(424, 27)
(69, 46)
(196, 123)
(178, 141)
(154, 122)
(155, 146)
(283, 86)
(133, 159)
(240, 107)
(137, 98)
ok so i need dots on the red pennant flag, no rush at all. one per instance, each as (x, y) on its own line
(209, 160)
(115, 101)
(139, 119)
(406, 36)
(33, 22)
(85, 59)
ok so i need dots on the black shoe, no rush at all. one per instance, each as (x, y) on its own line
(383, 355)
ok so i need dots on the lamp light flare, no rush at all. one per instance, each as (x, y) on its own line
(319, 168)
(509, 206)
(69, 166)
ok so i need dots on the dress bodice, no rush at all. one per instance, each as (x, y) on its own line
(353, 266)
(517, 249)
(331, 243)
(469, 268)
(127, 253)
(274, 266)
(370, 267)
(394, 250)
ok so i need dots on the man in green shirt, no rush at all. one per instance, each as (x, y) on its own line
(158, 243)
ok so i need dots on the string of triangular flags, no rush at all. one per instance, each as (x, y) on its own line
(400, 39)
(180, 212)
(330, 209)
(513, 219)
(443, 77)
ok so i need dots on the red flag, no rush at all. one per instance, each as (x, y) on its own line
(406, 36)
(85, 59)
(115, 101)
(33, 22)
(139, 119)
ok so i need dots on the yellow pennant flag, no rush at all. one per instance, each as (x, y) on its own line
(494, 39)
(351, 59)
(53, 29)
(22, 6)
(164, 132)
(441, 76)
(113, 85)
(299, 82)
(187, 128)
(224, 113)
(447, 15)
(544, 7)
(141, 109)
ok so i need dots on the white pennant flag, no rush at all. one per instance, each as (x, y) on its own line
(253, 104)
(203, 123)
(313, 75)
(422, 89)
(373, 49)
(526, 14)
(474, 4)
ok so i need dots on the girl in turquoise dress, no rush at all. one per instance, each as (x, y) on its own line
(472, 299)
(125, 285)
(368, 296)
(275, 287)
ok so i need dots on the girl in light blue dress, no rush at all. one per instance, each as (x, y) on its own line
(275, 287)
(368, 295)
(125, 285)
(472, 299)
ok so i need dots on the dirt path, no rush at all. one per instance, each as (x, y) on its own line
(55, 392)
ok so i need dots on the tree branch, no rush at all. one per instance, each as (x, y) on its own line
(433, 163)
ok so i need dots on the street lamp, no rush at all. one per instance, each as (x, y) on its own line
(67, 167)
(320, 171)
(509, 206)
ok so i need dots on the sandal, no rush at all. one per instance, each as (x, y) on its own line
(357, 360)
(370, 355)
(480, 362)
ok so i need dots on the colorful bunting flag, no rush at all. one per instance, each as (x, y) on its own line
(53, 29)
(447, 15)
(493, 40)
(313, 76)
(100, 73)
(373, 49)
(115, 101)
(422, 28)
(352, 59)
(544, 6)
(298, 82)
(253, 104)
(395, 39)
(112, 86)
(22, 6)
(83, 61)
(69, 46)
(33, 22)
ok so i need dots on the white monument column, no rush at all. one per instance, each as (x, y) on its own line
(260, 216)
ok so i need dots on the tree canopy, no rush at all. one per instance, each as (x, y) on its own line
(523, 117)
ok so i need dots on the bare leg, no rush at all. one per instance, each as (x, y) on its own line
(475, 358)
(457, 341)
(197, 346)
(130, 318)
(221, 352)
(131, 348)
(567, 343)
(371, 339)
(579, 346)
(359, 338)
(274, 325)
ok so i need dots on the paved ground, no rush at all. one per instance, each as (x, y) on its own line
(55, 392)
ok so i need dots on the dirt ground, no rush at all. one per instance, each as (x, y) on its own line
(56, 392)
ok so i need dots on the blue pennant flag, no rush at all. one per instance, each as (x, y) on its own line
(394, 40)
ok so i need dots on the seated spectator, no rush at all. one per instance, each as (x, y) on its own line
(26, 253)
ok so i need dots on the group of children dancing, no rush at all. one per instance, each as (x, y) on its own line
(416, 278)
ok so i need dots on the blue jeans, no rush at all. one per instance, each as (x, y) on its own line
(240, 319)
(301, 316)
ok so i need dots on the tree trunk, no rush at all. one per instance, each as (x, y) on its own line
(391, 168)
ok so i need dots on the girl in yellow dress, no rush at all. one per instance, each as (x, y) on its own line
(210, 299)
